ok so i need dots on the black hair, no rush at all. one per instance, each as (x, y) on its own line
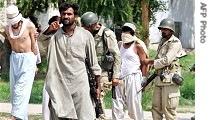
(128, 29)
(35, 21)
(53, 19)
(64, 6)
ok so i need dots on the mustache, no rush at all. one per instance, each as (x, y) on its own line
(163, 33)
(65, 19)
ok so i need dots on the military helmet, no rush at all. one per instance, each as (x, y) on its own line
(167, 23)
(88, 18)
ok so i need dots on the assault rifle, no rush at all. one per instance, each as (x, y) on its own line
(93, 86)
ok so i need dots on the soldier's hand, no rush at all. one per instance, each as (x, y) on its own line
(147, 61)
(115, 81)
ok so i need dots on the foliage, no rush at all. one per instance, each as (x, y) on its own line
(43, 65)
(36, 93)
(5, 76)
(29, 7)
(147, 97)
(155, 6)
(5, 91)
(188, 88)
(119, 11)
(108, 100)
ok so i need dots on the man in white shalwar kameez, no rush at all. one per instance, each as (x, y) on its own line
(131, 76)
(66, 80)
(20, 32)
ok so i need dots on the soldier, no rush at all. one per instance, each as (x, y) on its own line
(166, 63)
(105, 40)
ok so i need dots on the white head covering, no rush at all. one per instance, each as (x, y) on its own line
(130, 25)
(13, 15)
(129, 38)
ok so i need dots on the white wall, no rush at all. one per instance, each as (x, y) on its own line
(155, 34)
(179, 11)
(183, 11)
(44, 17)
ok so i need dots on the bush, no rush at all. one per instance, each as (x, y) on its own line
(4, 76)
(43, 65)
(188, 88)
(5, 91)
(36, 93)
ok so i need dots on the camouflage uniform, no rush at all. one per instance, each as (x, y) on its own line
(111, 45)
(166, 94)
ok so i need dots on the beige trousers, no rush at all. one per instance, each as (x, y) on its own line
(165, 102)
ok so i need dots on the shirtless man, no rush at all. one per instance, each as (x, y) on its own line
(20, 32)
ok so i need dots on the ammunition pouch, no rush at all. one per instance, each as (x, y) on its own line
(177, 79)
(172, 77)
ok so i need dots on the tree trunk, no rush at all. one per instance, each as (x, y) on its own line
(145, 21)
(5, 53)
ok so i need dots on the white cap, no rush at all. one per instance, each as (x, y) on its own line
(13, 14)
(130, 25)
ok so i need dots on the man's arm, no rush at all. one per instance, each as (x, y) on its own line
(91, 54)
(112, 46)
(44, 37)
(171, 54)
(142, 56)
(32, 33)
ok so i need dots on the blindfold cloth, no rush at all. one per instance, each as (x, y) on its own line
(127, 38)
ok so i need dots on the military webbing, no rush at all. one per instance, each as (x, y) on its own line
(101, 57)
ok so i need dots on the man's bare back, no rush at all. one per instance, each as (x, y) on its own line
(26, 42)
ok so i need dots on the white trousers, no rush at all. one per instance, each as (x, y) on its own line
(127, 96)
(45, 107)
(22, 72)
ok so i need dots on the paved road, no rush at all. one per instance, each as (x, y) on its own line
(37, 109)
